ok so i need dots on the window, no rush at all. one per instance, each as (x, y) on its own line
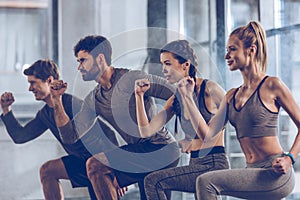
(25, 36)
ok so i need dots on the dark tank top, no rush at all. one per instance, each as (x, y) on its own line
(186, 125)
(254, 119)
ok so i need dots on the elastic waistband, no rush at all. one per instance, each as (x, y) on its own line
(207, 151)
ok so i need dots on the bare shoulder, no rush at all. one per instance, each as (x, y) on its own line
(274, 85)
(273, 82)
(213, 88)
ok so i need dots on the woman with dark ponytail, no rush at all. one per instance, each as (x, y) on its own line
(252, 109)
(179, 61)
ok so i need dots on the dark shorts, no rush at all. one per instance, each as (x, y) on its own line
(76, 169)
(131, 163)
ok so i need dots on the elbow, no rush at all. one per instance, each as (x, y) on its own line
(69, 140)
(204, 134)
(144, 133)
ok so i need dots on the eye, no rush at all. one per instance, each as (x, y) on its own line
(232, 49)
(82, 60)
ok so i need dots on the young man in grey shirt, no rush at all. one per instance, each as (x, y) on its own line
(113, 100)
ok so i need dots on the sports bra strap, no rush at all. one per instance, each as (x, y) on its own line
(261, 82)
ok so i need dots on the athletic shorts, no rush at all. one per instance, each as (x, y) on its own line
(76, 169)
(131, 163)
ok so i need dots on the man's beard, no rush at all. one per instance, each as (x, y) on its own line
(92, 74)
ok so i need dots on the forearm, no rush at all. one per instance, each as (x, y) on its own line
(193, 114)
(295, 149)
(63, 123)
(21, 134)
(142, 119)
(67, 133)
(60, 115)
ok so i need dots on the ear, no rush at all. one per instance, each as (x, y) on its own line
(186, 65)
(50, 79)
(252, 49)
(100, 59)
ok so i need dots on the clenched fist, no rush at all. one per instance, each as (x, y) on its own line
(7, 99)
(58, 87)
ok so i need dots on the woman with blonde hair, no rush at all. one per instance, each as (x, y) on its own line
(253, 110)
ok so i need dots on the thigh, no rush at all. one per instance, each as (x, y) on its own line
(249, 183)
(55, 168)
(176, 178)
(142, 157)
(76, 169)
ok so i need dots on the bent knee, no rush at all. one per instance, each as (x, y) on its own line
(94, 166)
(48, 170)
(200, 182)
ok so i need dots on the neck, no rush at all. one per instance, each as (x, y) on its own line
(105, 78)
(251, 75)
(48, 101)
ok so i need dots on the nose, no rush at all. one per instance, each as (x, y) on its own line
(164, 70)
(30, 88)
(79, 66)
(226, 56)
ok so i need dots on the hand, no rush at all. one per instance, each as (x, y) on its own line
(7, 100)
(121, 191)
(141, 86)
(58, 87)
(186, 86)
(281, 165)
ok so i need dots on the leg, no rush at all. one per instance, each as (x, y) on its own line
(158, 183)
(182, 178)
(101, 177)
(77, 175)
(50, 173)
(249, 183)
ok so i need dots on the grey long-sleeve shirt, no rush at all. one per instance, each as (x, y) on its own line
(117, 107)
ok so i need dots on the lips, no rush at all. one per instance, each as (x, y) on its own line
(82, 71)
(229, 62)
(167, 77)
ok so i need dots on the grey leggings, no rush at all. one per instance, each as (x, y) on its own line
(258, 181)
(182, 178)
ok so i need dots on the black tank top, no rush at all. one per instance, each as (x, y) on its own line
(186, 125)
(254, 119)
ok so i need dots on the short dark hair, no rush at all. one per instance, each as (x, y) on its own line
(42, 69)
(95, 45)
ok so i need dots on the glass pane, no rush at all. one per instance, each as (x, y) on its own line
(25, 37)
(291, 12)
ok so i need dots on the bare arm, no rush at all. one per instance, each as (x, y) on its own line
(204, 130)
(58, 88)
(284, 97)
(146, 127)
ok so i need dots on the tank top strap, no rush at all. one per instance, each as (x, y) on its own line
(202, 91)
